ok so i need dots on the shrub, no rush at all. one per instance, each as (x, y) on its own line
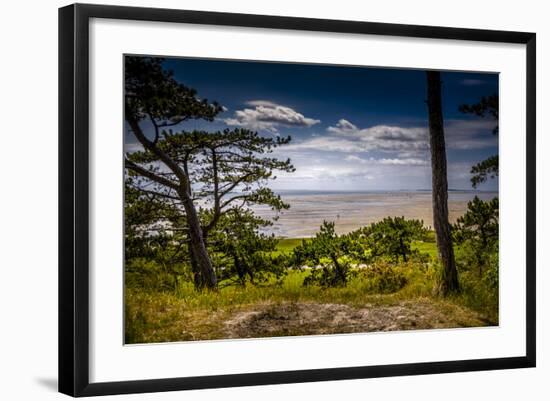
(477, 233)
(330, 254)
(391, 237)
(151, 275)
(384, 278)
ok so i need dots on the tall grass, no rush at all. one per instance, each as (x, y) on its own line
(181, 313)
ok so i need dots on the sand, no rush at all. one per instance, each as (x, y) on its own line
(353, 210)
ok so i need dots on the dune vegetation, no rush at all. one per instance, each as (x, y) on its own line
(201, 265)
(387, 293)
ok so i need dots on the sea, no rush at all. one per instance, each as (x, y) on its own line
(352, 210)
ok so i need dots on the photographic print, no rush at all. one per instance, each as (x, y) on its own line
(267, 199)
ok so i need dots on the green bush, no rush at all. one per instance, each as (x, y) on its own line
(480, 283)
(391, 238)
(330, 255)
(384, 278)
(151, 275)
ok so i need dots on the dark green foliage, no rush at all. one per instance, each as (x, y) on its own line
(151, 92)
(479, 223)
(330, 256)
(148, 223)
(242, 252)
(197, 176)
(487, 107)
(477, 234)
(155, 241)
(484, 170)
(228, 171)
(477, 256)
(481, 289)
(391, 237)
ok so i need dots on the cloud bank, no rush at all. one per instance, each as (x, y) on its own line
(403, 142)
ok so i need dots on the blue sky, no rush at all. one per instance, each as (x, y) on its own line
(352, 128)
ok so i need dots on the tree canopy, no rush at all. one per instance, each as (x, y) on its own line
(486, 107)
(203, 175)
(392, 237)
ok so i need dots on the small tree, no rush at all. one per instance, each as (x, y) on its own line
(479, 228)
(242, 251)
(330, 251)
(392, 237)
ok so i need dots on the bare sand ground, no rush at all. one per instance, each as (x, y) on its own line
(310, 318)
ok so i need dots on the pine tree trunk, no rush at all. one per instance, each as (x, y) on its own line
(197, 276)
(340, 274)
(199, 254)
(449, 282)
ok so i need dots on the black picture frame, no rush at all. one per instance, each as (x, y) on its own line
(74, 199)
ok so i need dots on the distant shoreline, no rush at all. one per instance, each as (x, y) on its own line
(373, 191)
(351, 210)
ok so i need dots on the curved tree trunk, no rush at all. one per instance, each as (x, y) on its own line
(200, 260)
(199, 254)
(449, 282)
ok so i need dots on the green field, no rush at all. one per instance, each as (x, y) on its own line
(287, 245)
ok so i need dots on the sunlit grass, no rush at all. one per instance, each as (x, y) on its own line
(186, 314)
(287, 245)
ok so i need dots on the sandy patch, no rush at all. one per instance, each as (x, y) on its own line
(305, 318)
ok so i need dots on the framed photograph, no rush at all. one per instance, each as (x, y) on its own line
(250, 199)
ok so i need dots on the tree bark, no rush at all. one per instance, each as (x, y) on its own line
(200, 260)
(197, 275)
(199, 254)
(241, 271)
(340, 276)
(449, 282)
(403, 250)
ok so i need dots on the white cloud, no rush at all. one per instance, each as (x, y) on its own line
(382, 137)
(355, 159)
(325, 143)
(384, 161)
(269, 116)
(346, 137)
(326, 172)
(409, 143)
(404, 162)
(343, 126)
(265, 103)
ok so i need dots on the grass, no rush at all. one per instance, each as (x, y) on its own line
(425, 247)
(287, 245)
(186, 314)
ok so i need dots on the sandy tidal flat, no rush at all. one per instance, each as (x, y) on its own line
(353, 210)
